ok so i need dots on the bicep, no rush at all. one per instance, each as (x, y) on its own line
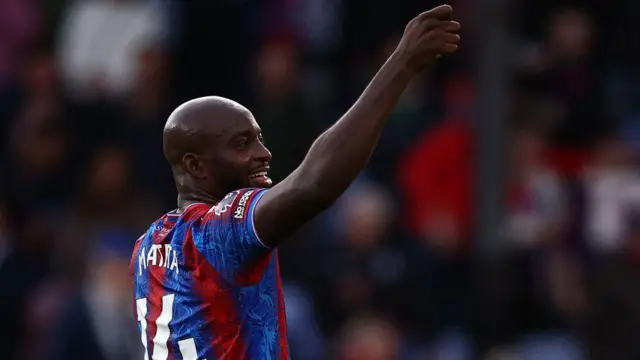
(284, 209)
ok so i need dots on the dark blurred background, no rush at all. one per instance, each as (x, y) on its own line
(499, 217)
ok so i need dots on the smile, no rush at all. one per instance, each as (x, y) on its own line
(258, 174)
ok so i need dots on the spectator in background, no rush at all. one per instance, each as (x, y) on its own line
(606, 204)
(548, 284)
(19, 26)
(37, 142)
(319, 23)
(144, 113)
(435, 175)
(23, 270)
(369, 338)
(530, 292)
(42, 307)
(612, 189)
(100, 41)
(536, 207)
(561, 68)
(290, 121)
(96, 321)
(106, 205)
(362, 266)
(305, 338)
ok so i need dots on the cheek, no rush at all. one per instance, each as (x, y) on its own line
(236, 159)
(230, 166)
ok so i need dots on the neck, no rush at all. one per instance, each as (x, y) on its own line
(188, 198)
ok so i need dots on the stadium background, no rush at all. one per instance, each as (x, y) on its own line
(506, 230)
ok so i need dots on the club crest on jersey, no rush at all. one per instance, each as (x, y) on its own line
(224, 204)
(242, 204)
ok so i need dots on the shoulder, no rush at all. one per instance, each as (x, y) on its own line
(225, 204)
(236, 203)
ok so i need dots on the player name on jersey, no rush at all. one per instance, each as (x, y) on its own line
(158, 255)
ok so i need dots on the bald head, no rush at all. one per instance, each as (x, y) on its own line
(196, 123)
(214, 146)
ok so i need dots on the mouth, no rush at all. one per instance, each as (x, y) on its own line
(260, 176)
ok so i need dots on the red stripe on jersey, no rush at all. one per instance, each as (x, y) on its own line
(253, 272)
(219, 308)
(282, 315)
(194, 211)
(157, 276)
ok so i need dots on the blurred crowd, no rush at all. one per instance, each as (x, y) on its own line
(392, 270)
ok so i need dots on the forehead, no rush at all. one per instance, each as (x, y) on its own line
(237, 123)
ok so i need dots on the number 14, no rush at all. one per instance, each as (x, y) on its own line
(160, 349)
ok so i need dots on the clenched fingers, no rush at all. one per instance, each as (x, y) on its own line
(442, 12)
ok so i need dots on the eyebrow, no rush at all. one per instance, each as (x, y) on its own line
(239, 134)
(248, 132)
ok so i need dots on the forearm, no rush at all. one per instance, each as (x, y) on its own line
(341, 152)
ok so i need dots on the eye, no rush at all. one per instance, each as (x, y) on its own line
(242, 142)
(261, 138)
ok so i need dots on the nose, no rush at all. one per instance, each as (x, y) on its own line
(262, 153)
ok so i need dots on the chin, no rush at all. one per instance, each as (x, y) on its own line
(264, 183)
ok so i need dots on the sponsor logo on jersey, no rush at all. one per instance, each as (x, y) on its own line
(242, 204)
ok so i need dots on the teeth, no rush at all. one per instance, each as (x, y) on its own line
(262, 173)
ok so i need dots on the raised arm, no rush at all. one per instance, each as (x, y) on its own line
(341, 152)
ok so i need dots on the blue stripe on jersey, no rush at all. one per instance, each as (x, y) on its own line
(251, 218)
(261, 312)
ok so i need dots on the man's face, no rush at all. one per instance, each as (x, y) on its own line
(239, 158)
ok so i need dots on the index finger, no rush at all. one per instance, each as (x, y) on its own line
(442, 12)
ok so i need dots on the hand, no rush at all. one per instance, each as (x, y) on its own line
(428, 36)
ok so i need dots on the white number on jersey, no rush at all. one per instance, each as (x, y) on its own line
(160, 349)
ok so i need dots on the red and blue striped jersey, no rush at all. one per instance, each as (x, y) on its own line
(206, 287)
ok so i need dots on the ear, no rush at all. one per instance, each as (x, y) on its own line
(194, 166)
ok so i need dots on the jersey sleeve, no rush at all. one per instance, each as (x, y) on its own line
(230, 241)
